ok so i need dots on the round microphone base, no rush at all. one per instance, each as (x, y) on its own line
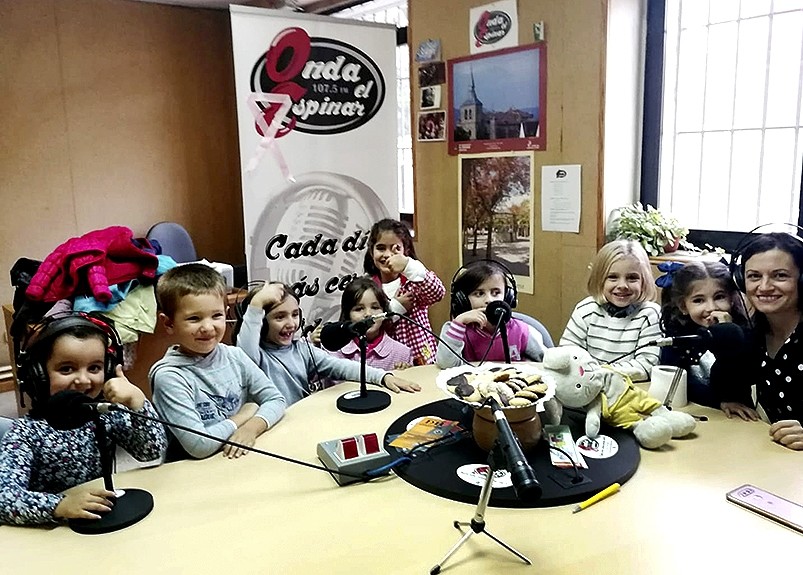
(372, 401)
(133, 506)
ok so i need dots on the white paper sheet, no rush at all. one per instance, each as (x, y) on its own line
(560, 198)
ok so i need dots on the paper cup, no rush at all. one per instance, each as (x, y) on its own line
(661, 380)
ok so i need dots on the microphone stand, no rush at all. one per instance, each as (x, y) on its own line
(503, 333)
(673, 387)
(130, 505)
(496, 460)
(364, 400)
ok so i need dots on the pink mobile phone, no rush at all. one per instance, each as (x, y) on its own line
(769, 505)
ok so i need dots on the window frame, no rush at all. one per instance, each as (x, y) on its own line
(651, 131)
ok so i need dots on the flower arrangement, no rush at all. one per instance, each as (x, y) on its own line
(657, 232)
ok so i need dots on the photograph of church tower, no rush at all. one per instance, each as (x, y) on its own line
(497, 101)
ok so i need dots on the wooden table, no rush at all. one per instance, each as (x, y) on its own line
(261, 515)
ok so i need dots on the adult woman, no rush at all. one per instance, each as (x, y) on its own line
(771, 276)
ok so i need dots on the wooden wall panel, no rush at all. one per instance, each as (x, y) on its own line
(116, 113)
(576, 41)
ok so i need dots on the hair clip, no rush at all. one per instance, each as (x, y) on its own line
(669, 269)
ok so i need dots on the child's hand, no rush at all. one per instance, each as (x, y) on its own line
(401, 365)
(119, 390)
(246, 436)
(732, 408)
(406, 300)
(315, 336)
(476, 316)
(397, 263)
(85, 504)
(721, 317)
(788, 432)
(397, 384)
(270, 294)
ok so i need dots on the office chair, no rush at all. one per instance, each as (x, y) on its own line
(174, 240)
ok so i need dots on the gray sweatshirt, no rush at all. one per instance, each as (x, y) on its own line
(291, 367)
(203, 392)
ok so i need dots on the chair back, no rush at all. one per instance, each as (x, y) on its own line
(174, 240)
(539, 327)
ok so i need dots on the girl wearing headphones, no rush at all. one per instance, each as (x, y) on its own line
(769, 272)
(618, 316)
(265, 333)
(37, 462)
(470, 333)
(695, 296)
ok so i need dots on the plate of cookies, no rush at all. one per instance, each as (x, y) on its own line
(512, 385)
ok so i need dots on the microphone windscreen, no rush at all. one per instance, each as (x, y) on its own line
(335, 335)
(68, 409)
(498, 309)
(727, 338)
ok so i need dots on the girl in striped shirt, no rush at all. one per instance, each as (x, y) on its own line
(619, 315)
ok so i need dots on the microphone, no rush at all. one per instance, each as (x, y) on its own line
(498, 310)
(522, 475)
(335, 335)
(703, 336)
(310, 327)
(727, 338)
(69, 409)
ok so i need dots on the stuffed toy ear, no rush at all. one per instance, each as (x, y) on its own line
(557, 358)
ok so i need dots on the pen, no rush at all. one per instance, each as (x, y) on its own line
(608, 491)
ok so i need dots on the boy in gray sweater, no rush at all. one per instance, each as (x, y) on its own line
(202, 383)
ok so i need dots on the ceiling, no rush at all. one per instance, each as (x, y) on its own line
(310, 6)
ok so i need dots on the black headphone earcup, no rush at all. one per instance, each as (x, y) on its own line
(460, 303)
(510, 296)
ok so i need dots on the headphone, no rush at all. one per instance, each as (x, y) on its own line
(459, 298)
(32, 361)
(737, 258)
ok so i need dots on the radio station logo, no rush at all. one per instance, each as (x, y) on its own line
(492, 26)
(334, 86)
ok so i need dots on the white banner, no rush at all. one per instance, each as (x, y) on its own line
(317, 117)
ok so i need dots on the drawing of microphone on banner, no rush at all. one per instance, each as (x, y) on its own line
(313, 235)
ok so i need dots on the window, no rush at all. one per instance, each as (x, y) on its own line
(729, 135)
(395, 12)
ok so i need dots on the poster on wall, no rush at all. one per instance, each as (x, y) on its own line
(493, 26)
(316, 112)
(497, 101)
(495, 199)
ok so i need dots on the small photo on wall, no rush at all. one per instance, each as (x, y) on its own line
(430, 98)
(428, 51)
(431, 74)
(432, 126)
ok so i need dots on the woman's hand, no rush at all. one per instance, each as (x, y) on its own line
(789, 433)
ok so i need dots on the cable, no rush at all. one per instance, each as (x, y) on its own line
(120, 408)
(449, 347)
(577, 476)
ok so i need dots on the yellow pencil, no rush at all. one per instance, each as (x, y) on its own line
(608, 491)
